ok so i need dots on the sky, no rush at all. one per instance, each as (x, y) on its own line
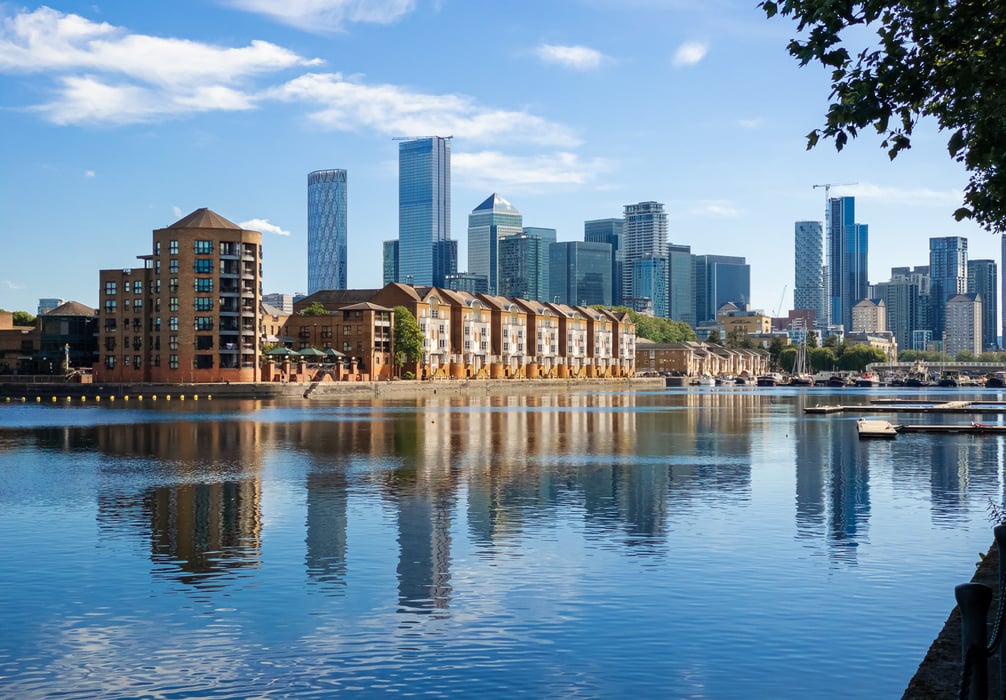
(121, 117)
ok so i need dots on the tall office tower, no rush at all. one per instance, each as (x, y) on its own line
(906, 298)
(808, 290)
(1002, 251)
(719, 279)
(610, 231)
(445, 261)
(963, 324)
(522, 271)
(848, 249)
(948, 274)
(326, 230)
(424, 205)
(680, 284)
(983, 280)
(580, 273)
(390, 260)
(547, 236)
(645, 233)
(489, 222)
(649, 285)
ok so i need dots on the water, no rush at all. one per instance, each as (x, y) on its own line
(713, 543)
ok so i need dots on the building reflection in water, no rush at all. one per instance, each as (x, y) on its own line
(206, 522)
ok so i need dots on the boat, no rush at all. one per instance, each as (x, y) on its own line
(996, 380)
(743, 379)
(703, 380)
(839, 380)
(725, 380)
(876, 428)
(770, 379)
(917, 382)
(868, 380)
(800, 377)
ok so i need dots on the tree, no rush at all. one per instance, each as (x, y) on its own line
(822, 359)
(857, 357)
(23, 318)
(943, 60)
(714, 337)
(408, 337)
(775, 349)
(315, 308)
(787, 358)
(812, 339)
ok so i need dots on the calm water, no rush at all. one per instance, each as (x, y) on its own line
(688, 544)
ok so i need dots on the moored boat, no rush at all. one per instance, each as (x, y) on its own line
(876, 428)
(770, 379)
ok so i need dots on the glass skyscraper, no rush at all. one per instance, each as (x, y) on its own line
(680, 284)
(390, 261)
(649, 285)
(491, 221)
(580, 273)
(610, 231)
(983, 280)
(326, 230)
(424, 206)
(948, 277)
(522, 267)
(719, 279)
(848, 249)
(808, 290)
(645, 234)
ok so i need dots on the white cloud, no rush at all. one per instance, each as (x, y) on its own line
(326, 15)
(690, 53)
(495, 170)
(263, 226)
(756, 123)
(898, 195)
(89, 173)
(720, 208)
(10, 284)
(576, 57)
(177, 211)
(104, 74)
(396, 111)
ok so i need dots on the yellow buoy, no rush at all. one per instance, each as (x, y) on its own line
(168, 397)
(181, 397)
(83, 399)
(111, 398)
(154, 397)
(195, 397)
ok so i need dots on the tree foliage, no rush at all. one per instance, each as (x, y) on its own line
(942, 60)
(855, 358)
(23, 318)
(408, 337)
(659, 330)
(315, 308)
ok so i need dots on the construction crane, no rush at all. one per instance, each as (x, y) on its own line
(417, 138)
(827, 187)
(782, 300)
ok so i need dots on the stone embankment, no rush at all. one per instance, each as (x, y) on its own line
(46, 392)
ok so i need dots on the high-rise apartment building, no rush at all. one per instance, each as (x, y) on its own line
(580, 273)
(491, 221)
(848, 253)
(649, 285)
(808, 288)
(719, 280)
(326, 230)
(963, 324)
(610, 231)
(424, 205)
(644, 234)
(906, 297)
(948, 273)
(983, 281)
(191, 314)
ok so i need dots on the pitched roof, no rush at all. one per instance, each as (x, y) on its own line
(205, 218)
(365, 306)
(71, 308)
(495, 203)
(335, 298)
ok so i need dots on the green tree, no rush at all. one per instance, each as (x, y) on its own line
(822, 359)
(408, 338)
(315, 308)
(21, 318)
(941, 60)
(787, 358)
(714, 337)
(857, 357)
(831, 342)
(811, 340)
(775, 349)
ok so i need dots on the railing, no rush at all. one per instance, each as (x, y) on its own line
(974, 600)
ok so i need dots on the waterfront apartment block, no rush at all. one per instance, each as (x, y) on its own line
(191, 313)
(694, 359)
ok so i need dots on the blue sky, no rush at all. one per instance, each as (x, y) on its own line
(120, 117)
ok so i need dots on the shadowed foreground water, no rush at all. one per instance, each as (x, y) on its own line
(687, 544)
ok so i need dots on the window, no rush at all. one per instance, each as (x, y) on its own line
(204, 303)
(172, 342)
(204, 284)
(347, 346)
(110, 361)
(157, 267)
(204, 266)
(347, 330)
(173, 247)
(173, 361)
(173, 266)
(157, 287)
(157, 324)
(127, 360)
(157, 248)
(138, 287)
(173, 323)
(138, 303)
(110, 305)
(173, 304)
(506, 346)
(110, 288)
(109, 343)
(204, 323)
(157, 360)
(204, 247)
(173, 285)
(468, 345)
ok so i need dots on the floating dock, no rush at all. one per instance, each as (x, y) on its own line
(903, 406)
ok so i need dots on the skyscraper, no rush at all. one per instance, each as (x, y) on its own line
(610, 231)
(522, 267)
(948, 272)
(808, 290)
(326, 230)
(390, 261)
(848, 252)
(983, 280)
(719, 279)
(680, 284)
(649, 283)
(424, 205)
(492, 220)
(580, 273)
(645, 234)
(906, 298)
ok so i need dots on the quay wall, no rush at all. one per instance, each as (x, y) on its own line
(15, 391)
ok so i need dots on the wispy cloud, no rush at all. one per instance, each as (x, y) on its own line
(898, 195)
(326, 15)
(89, 173)
(104, 74)
(393, 110)
(177, 211)
(575, 57)
(11, 284)
(690, 53)
(720, 208)
(519, 173)
(263, 226)
(756, 123)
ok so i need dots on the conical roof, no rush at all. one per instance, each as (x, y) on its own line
(204, 218)
(495, 203)
(71, 308)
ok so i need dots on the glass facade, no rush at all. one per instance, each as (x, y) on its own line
(808, 288)
(326, 230)
(983, 280)
(390, 261)
(644, 234)
(491, 221)
(580, 273)
(649, 285)
(610, 231)
(445, 261)
(719, 279)
(523, 264)
(948, 277)
(680, 284)
(424, 205)
(848, 250)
